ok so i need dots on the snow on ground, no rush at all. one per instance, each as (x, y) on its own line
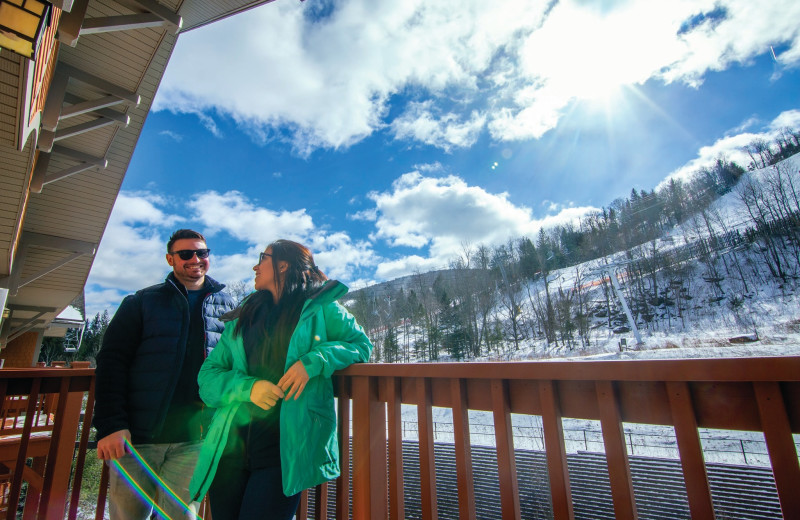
(766, 323)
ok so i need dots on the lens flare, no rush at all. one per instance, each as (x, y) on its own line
(141, 492)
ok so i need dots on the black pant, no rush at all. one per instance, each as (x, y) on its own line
(239, 493)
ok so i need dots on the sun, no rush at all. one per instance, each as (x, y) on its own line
(588, 56)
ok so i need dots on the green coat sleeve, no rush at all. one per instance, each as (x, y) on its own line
(346, 344)
(221, 381)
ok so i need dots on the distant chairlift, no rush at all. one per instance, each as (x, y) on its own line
(73, 338)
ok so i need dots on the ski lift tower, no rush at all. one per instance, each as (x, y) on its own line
(610, 270)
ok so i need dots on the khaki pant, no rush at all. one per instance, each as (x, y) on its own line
(173, 463)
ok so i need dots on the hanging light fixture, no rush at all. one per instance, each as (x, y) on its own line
(22, 24)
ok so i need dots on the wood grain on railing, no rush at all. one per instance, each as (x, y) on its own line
(755, 394)
(463, 453)
(47, 401)
(691, 452)
(427, 461)
(395, 425)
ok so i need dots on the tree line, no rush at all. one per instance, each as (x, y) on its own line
(492, 300)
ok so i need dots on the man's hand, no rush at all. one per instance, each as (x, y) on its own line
(265, 394)
(294, 380)
(112, 447)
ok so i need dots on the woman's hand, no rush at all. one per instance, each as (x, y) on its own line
(265, 394)
(294, 380)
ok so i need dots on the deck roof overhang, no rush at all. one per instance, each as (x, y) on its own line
(69, 122)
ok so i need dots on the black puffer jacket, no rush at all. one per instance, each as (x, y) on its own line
(143, 352)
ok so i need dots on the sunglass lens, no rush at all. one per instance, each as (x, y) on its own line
(187, 254)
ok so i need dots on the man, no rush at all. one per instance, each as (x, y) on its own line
(147, 392)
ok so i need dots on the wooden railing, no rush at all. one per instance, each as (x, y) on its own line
(39, 421)
(756, 394)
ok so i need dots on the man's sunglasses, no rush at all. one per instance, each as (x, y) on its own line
(187, 254)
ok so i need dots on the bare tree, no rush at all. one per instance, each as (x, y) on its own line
(238, 291)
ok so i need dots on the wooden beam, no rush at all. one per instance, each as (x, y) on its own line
(69, 27)
(72, 131)
(80, 106)
(619, 470)
(126, 22)
(343, 482)
(556, 452)
(98, 83)
(162, 12)
(506, 461)
(396, 488)
(55, 99)
(691, 451)
(463, 450)
(780, 445)
(427, 459)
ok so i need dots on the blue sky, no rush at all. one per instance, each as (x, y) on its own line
(387, 135)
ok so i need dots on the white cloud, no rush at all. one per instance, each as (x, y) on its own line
(508, 66)
(446, 131)
(132, 252)
(440, 214)
(788, 119)
(732, 147)
(233, 213)
(236, 215)
(172, 135)
(408, 265)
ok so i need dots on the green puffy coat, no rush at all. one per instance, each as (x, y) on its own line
(327, 338)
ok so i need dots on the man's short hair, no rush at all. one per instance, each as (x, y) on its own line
(181, 234)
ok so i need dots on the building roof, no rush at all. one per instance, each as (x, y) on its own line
(61, 166)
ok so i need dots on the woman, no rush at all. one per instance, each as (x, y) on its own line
(274, 431)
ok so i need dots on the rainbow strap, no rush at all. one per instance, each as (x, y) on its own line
(138, 488)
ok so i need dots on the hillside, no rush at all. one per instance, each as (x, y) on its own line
(723, 282)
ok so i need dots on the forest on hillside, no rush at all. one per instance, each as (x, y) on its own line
(675, 257)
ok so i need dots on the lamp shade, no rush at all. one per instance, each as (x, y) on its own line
(21, 25)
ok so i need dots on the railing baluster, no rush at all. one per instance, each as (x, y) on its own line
(619, 470)
(22, 454)
(102, 493)
(556, 452)
(343, 482)
(302, 507)
(691, 451)
(463, 449)
(320, 502)
(369, 450)
(396, 490)
(780, 444)
(506, 463)
(84, 442)
(59, 459)
(427, 461)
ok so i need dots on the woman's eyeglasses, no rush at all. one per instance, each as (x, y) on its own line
(262, 256)
(187, 254)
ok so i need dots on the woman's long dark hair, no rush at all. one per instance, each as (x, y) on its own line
(264, 323)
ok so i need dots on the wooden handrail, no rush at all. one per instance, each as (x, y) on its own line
(755, 394)
(53, 398)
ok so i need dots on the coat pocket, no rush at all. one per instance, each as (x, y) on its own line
(323, 443)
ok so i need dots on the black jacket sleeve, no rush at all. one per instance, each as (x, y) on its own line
(114, 360)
